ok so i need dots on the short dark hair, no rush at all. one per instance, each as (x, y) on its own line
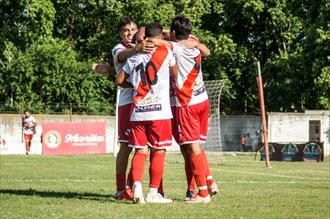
(126, 20)
(25, 111)
(153, 29)
(182, 26)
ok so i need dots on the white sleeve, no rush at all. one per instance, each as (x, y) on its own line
(115, 53)
(129, 66)
(172, 58)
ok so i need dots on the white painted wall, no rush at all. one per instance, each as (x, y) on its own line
(282, 127)
(294, 127)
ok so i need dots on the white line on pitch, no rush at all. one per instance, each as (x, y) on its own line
(269, 174)
(168, 181)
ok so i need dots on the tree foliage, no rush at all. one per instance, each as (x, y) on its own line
(47, 47)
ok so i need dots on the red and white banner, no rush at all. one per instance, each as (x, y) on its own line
(73, 138)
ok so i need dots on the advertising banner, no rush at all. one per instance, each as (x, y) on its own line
(73, 138)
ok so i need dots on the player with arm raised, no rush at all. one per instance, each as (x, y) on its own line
(190, 94)
(149, 74)
(120, 53)
(192, 105)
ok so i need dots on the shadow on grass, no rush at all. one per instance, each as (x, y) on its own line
(56, 194)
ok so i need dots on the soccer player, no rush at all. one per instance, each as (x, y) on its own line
(149, 75)
(192, 108)
(29, 124)
(120, 53)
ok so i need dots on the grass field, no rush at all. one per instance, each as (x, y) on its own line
(83, 187)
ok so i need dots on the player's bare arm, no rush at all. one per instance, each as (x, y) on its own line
(195, 44)
(103, 68)
(143, 46)
(33, 125)
(159, 42)
(121, 80)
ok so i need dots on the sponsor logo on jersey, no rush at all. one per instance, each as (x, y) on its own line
(199, 91)
(148, 108)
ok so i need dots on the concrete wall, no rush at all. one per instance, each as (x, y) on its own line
(294, 127)
(283, 128)
(232, 128)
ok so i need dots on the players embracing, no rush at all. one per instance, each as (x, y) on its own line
(120, 53)
(192, 108)
(148, 73)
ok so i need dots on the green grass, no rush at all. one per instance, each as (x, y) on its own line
(83, 187)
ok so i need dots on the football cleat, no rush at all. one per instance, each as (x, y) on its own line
(137, 193)
(125, 195)
(189, 195)
(157, 198)
(213, 189)
(199, 199)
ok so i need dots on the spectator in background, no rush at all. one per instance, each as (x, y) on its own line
(256, 140)
(248, 145)
(243, 142)
(29, 124)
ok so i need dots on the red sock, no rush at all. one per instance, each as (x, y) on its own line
(199, 172)
(189, 175)
(138, 163)
(130, 178)
(120, 181)
(27, 148)
(209, 178)
(156, 169)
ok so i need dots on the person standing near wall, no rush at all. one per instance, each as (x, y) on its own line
(256, 138)
(248, 143)
(243, 142)
(29, 124)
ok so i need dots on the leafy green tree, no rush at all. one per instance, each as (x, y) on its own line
(47, 47)
(24, 21)
(48, 74)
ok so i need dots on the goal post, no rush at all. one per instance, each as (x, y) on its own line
(115, 135)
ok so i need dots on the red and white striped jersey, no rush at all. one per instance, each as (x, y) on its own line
(150, 76)
(126, 94)
(190, 88)
(172, 80)
(28, 121)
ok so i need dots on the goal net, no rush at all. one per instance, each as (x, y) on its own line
(213, 141)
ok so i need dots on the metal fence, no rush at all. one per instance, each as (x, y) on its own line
(59, 108)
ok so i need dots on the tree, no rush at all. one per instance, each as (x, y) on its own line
(289, 37)
(49, 74)
(24, 21)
